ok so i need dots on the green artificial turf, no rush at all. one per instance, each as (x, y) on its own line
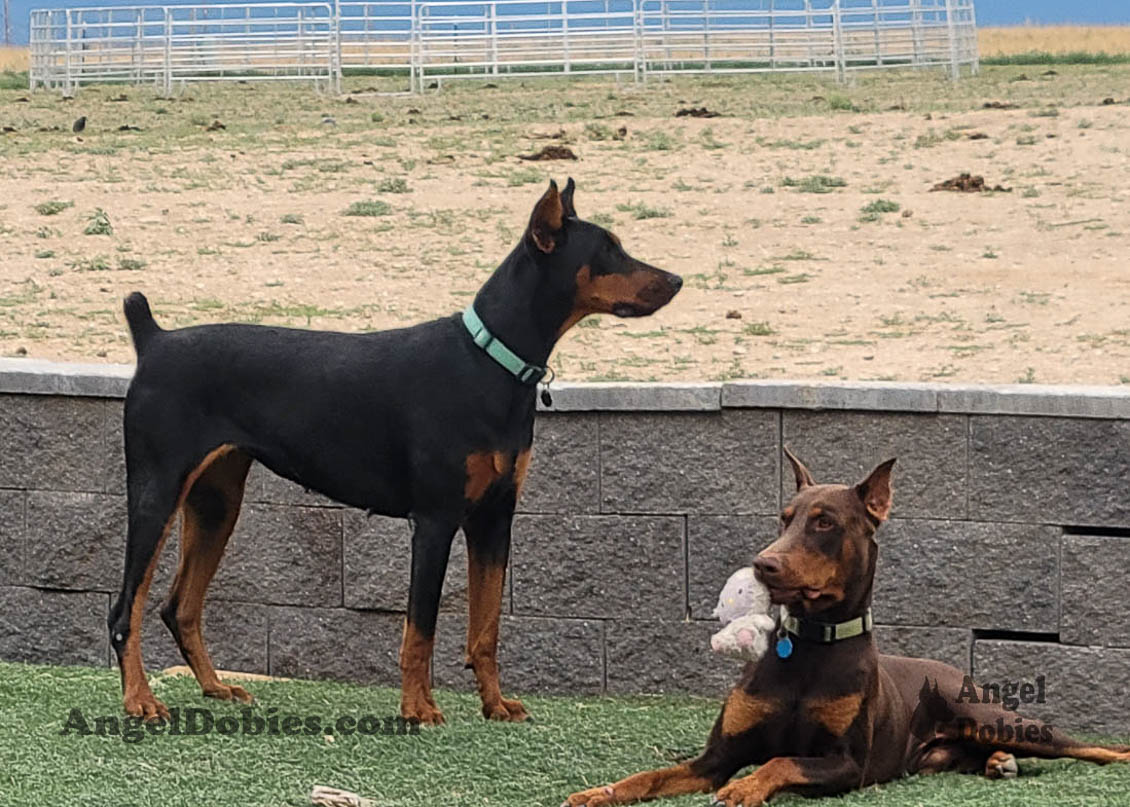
(574, 743)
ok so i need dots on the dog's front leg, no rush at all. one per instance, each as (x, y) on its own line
(809, 776)
(431, 546)
(674, 781)
(488, 550)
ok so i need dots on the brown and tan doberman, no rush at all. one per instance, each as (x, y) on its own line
(824, 712)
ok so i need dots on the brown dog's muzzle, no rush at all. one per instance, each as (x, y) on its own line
(784, 583)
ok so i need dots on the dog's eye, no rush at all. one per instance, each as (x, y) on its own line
(823, 523)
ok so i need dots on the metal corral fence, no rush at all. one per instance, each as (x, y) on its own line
(437, 40)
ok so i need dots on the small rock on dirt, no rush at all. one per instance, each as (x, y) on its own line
(978, 136)
(1108, 102)
(215, 126)
(999, 105)
(733, 315)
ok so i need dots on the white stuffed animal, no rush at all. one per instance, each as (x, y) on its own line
(743, 607)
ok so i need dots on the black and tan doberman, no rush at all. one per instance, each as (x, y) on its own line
(432, 423)
(823, 712)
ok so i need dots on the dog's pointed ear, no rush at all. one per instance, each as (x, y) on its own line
(803, 475)
(875, 491)
(567, 199)
(547, 219)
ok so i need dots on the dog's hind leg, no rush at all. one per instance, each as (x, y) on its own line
(152, 507)
(211, 508)
(431, 546)
(996, 729)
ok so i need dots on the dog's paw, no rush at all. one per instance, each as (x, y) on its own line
(228, 692)
(1001, 765)
(742, 793)
(422, 713)
(509, 711)
(593, 797)
(145, 706)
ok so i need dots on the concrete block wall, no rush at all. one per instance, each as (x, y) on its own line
(1008, 554)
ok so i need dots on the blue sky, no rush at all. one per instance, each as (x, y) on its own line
(989, 12)
(1016, 12)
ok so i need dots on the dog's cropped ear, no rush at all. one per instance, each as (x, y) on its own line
(547, 219)
(803, 475)
(567, 199)
(875, 491)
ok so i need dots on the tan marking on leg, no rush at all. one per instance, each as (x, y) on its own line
(416, 702)
(521, 468)
(675, 781)
(137, 697)
(744, 711)
(484, 605)
(201, 551)
(836, 714)
(1097, 754)
(760, 786)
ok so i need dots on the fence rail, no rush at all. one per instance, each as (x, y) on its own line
(438, 40)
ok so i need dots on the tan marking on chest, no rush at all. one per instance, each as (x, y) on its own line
(484, 468)
(836, 714)
(744, 711)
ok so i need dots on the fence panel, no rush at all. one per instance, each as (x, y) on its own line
(168, 44)
(454, 39)
(463, 38)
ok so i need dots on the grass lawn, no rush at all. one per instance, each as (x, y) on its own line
(575, 742)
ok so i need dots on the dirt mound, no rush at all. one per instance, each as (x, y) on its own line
(968, 183)
(550, 153)
(696, 112)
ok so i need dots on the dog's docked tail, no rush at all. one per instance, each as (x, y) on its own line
(142, 326)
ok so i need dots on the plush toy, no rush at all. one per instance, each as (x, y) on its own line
(743, 608)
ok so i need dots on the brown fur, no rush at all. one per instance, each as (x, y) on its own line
(834, 717)
(521, 468)
(416, 702)
(744, 711)
(836, 714)
(484, 468)
(202, 546)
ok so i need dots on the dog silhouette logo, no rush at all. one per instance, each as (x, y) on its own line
(932, 713)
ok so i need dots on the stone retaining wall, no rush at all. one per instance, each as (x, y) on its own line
(1008, 553)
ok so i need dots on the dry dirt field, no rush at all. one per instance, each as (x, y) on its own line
(802, 217)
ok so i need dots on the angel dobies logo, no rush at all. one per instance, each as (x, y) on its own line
(936, 715)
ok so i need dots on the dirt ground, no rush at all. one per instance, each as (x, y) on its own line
(802, 217)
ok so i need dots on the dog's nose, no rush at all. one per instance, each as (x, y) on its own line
(675, 282)
(767, 567)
